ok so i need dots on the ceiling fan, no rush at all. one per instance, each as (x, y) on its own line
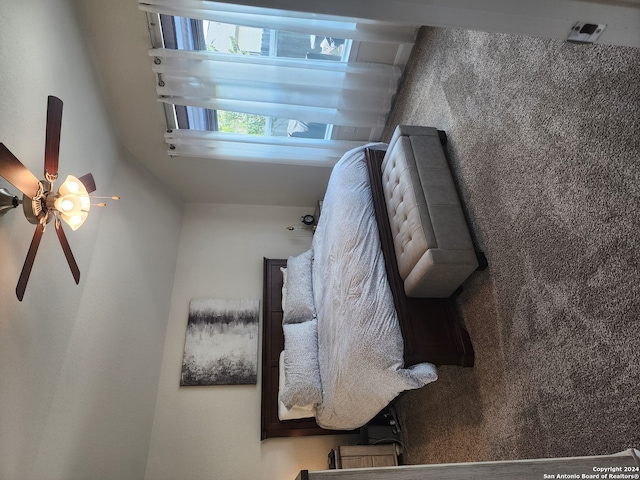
(41, 203)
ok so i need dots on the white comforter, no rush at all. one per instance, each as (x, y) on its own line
(360, 343)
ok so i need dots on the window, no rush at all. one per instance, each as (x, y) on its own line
(181, 33)
(266, 85)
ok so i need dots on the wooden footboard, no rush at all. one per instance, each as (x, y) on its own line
(430, 327)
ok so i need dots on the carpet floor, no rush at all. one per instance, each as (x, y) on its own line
(544, 145)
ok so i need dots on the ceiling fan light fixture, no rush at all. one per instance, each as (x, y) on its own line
(85, 200)
(40, 202)
(69, 204)
(72, 186)
(74, 221)
(73, 202)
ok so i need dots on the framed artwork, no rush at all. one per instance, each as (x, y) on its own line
(221, 344)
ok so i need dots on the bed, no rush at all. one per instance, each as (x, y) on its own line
(343, 367)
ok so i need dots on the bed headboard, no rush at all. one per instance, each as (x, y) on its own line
(272, 345)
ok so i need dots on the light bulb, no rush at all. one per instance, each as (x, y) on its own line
(74, 221)
(73, 202)
(66, 205)
(69, 204)
(72, 185)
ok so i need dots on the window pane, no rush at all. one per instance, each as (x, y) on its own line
(190, 34)
(279, 127)
(245, 123)
(329, 48)
(299, 129)
(284, 127)
(235, 39)
(195, 118)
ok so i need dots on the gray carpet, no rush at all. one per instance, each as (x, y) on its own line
(544, 144)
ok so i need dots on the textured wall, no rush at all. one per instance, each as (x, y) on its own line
(214, 432)
(79, 364)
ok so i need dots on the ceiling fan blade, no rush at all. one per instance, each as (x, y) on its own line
(88, 182)
(28, 263)
(75, 271)
(17, 174)
(52, 141)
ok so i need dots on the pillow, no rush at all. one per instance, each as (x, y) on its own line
(299, 303)
(297, 411)
(284, 287)
(302, 372)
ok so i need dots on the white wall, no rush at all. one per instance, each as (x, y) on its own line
(213, 432)
(79, 364)
(542, 18)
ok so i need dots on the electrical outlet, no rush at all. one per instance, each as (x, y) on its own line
(585, 32)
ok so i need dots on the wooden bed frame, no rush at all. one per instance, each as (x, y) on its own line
(430, 327)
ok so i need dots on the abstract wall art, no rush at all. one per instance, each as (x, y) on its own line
(221, 344)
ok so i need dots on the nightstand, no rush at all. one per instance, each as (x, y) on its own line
(366, 456)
